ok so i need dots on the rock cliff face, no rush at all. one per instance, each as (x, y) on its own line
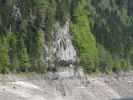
(64, 49)
(61, 50)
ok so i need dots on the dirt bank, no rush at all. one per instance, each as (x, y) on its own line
(39, 87)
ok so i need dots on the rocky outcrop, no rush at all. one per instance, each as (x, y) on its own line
(63, 47)
(61, 50)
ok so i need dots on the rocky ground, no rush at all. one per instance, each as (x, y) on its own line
(40, 87)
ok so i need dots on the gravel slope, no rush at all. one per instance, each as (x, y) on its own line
(38, 87)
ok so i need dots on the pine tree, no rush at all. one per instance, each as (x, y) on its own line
(39, 62)
(24, 62)
(4, 58)
(13, 54)
(83, 37)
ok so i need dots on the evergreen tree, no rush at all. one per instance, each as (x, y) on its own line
(24, 62)
(39, 62)
(83, 37)
(4, 58)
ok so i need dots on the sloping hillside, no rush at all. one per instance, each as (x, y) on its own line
(37, 35)
(39, 87)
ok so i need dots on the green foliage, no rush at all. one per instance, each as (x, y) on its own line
(13, 53)
(24, 63)
(4, 58)
(83, 38)
(38, 61)
(101, 29)
(105, 60)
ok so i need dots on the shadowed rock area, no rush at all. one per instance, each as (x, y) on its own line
(124, 99)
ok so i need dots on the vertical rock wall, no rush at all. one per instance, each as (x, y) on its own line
(63, 47)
